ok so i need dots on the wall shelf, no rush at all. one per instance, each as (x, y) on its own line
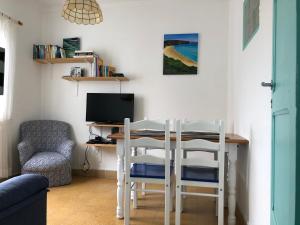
(102, 145)
(69, 78)
(67, 60)
(105, 125)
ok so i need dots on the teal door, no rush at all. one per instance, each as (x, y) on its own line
(285, 155)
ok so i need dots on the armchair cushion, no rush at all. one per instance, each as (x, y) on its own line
(45, 161)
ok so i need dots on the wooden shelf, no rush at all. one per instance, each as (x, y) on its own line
(41, 61)
(105, 125)
(69, 78)
(102, 145)
(67, 60)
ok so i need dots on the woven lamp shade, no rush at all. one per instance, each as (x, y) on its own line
(82, 12)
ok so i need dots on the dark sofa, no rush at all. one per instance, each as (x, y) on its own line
(23, 200)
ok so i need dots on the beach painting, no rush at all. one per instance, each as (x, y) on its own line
(181, 54)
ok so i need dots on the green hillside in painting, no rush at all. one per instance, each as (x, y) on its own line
(172, 66)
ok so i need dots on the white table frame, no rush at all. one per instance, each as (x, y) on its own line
(231, 149)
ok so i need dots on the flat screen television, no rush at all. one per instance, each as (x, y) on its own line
(109, 108)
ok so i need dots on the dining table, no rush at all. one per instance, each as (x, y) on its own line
(232, 146)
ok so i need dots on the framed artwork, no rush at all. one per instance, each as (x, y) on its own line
(70, 45)
(251, 20)
(181, 54)
(2, 64)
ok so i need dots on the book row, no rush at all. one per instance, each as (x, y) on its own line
(48, 52)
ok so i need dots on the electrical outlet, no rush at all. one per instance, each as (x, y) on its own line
(85, 167)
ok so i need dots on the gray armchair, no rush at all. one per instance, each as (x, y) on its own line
(46, 149)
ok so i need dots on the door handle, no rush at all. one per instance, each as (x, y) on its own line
(266, 84)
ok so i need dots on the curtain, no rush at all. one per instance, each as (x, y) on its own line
(7, 41)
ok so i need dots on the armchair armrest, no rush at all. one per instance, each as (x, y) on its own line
(66, 149)
(25, 151)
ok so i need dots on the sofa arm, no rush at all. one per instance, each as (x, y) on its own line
(25, 151)
(66, 149)
(18, 189)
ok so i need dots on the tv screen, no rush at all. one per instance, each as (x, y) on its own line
(2, 63)
(109, 108)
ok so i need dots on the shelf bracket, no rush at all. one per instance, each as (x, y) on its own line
(120, 84)
(77, 88)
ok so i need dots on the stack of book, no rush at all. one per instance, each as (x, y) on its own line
(98, 69)
(95, 65)
(48, 52)
(106, 71)
(85, 54)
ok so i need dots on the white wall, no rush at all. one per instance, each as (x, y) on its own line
(131, 38)
(27, 84)
(249, 110)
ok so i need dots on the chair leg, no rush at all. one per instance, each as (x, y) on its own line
(172, 194)
(134, 185)
(221, 207)
(135, 197)
(144, 184)
(127, 203)
(178, 205)
(217, 202)
(217, 206)
(143, 188)
(167, 204)
(183, 189)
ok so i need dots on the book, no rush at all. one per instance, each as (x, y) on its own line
(84, 53)
(48, 52)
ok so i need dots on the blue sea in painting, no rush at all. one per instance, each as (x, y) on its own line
(188, 50)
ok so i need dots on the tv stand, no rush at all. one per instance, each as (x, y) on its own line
(114, 129)
(108, 125)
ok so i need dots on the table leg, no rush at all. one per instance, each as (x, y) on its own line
(232, 158)
(120, 177)
(144, 184)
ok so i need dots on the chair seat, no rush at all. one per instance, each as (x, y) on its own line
(148, 171)
(44, 161)
(200, 174)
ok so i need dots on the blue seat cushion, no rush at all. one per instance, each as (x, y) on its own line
(200, 174)
(17, 189)
(148, 171)
(45, 161)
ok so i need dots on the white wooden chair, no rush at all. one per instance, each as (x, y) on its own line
(199, 172)
(147, 168)
(144, 152)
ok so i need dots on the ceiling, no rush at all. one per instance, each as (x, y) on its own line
(61, 2)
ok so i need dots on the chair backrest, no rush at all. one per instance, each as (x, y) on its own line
(215, 128)
(147, 142)
(45, 135)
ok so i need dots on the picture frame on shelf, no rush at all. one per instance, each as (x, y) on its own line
(77, 71)
(70, 45)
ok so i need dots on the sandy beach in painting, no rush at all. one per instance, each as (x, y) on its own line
(170, 52)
